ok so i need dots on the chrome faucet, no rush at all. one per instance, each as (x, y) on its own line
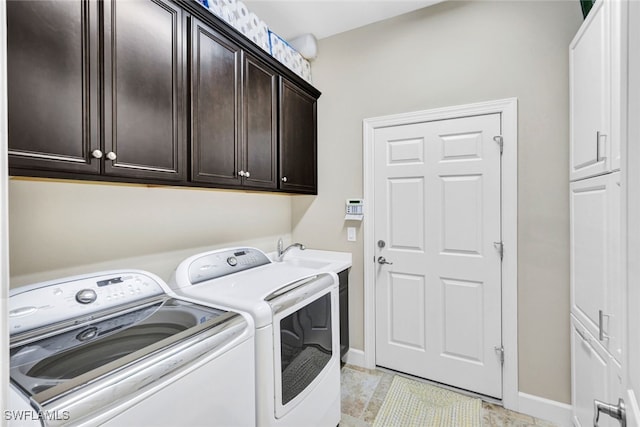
(281, 251)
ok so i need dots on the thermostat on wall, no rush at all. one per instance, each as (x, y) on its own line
(354, 209)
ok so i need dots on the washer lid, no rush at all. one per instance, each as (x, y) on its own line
(110, 360)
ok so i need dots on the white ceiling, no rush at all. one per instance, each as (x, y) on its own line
(324, 18)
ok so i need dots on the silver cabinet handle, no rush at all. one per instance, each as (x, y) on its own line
(247, 174)
(111, 155)
(241, 173)
(97, 154)
(601, 334)
(284, 179)
(618, 411)
(382, 260)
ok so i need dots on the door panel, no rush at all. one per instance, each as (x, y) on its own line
(595, 258)
(215, 107)
(437, 205)
(53, 85)
(144, 95)
(590, 95)
(260, 124)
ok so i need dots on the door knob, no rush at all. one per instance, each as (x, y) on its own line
(382, 260)
(111, 155)
(241, 173)
(284, 179)
(615, 411)
(97, 154)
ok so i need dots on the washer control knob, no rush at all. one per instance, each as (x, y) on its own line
(232, 261)
(86, 296)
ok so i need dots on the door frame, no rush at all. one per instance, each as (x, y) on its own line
(508, 108)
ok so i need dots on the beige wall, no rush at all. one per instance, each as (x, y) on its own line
(450, 54)
(58, 228)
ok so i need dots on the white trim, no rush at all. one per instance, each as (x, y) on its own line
(4, 211)
(508, 108)
(545, 409)
(355, 357)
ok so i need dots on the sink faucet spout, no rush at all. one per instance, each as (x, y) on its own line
(282, 252)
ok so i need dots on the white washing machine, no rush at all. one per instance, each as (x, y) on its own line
(296, 314)
(118, 348)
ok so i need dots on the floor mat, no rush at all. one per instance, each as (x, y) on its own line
(413, 403)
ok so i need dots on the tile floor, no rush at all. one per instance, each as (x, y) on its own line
(364, 390)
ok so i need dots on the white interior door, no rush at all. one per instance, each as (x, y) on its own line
(437, 210)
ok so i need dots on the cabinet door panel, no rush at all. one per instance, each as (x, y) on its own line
(260, 124)
(143, 72)
(215, 107)
(595, 258)
(590, 95)
(52, 54)
(298, 139)
(590, 376)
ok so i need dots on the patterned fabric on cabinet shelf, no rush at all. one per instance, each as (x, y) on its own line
(236, 13)
(283, 52)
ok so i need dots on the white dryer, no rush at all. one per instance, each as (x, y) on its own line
(296, 314)
(119, 348)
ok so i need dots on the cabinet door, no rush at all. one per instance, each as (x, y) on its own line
(298, 139)
(144, 125)
(52, 85)
(590, 95)
(590, 376)
(596, 290)
(215, 107)
(260, 137)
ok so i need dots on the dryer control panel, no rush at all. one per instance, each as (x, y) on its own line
(214, 264)
(52, 302)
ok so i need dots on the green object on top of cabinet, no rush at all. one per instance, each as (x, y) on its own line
(586, 6)
(175, 97)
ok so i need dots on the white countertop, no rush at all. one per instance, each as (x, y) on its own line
(317, 259)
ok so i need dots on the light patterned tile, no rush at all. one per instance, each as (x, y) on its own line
(349, 421)
(357, 388)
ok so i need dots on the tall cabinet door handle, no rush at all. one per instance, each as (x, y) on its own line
(601, 139)
(601, 334)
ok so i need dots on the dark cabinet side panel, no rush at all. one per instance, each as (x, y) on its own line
(52, 52)
(298, 139)
(260, 124)
(144, 98)
(215, 107)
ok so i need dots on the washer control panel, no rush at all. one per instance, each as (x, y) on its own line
(212, 265)
(51, 302)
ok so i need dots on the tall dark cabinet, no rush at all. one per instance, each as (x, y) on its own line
(298, 139)
(260, 112)
(53, 85)
(215, 75)
(233, 113)
(144, 94)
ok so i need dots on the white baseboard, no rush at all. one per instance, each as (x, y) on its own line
(355, 357)
(545, 409)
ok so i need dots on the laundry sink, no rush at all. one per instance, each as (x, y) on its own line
(307, 263)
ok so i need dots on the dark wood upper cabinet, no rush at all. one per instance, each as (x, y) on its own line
(52, 67)
(298, 139)
(153, 91)
(144, 91)
(260, 136)
(215, 75)
(233, 113)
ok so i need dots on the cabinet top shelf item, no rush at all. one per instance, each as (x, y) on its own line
(198, 10)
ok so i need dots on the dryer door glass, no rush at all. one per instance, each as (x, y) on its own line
(305, 346)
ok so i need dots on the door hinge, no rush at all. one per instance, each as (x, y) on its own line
(500, 248)
(500, 141)
(500, 352)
